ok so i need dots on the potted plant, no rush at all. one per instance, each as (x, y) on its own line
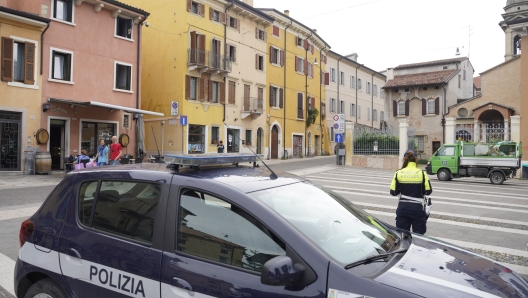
(215, 142)
(248, 143)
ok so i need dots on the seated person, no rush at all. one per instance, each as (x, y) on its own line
(83, 158)
(71, 161)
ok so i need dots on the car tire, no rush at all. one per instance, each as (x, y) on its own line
(497, 178)
(443, 175)
(45, 288)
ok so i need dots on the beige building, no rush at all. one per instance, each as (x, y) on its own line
(354, 90)
(421, 93)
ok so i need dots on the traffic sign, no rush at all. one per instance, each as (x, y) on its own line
(339, 123)
(183, 120)
(338, 138)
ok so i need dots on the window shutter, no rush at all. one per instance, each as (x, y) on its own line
(7, 59)
(210, 91)
(424, 106)
(256, 33)
(211, 12)
(234, 54)
(202, 42)
(228, 20)
(407, 107)
(394, 108)
(306, 44)
(222, 18)
(272, 97)
(282, 58)
(187, 87)
(203, 87)
(256, 61)
(272, 54)
(202, 10)
(189, 5)
(222, 93)
(326, 79)
(238, 25)
(29, 64)
(296, 64)
(281, 98)
(437, 106)
(312, 49)
(265, 36)
(313, 102)
(193, 39)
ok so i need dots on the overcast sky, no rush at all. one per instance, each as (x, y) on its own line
(387, 33)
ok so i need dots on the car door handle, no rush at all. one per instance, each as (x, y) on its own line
(74, 253)
(181, 283)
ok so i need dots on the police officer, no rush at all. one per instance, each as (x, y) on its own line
(411, 184)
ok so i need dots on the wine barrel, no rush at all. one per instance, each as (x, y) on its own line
(42, 163)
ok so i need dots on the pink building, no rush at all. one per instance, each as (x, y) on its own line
(90, 75)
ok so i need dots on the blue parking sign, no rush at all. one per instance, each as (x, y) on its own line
(338, 138)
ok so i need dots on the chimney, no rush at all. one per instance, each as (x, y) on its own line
(287, 12)
(353, 57)
(248, 2)
(314, 30)
(390, 74)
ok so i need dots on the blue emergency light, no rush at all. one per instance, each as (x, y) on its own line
(197, 160)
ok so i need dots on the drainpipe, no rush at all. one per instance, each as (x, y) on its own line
(284, 92)
(306, 149)
(321, 98)
(357, 92)
(443, 115)
(225, 44)
(372, 101)
(42, 46)
(138, 73)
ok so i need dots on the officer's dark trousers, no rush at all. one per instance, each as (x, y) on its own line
(411, 214)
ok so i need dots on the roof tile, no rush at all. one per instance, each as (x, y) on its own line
(421, 79)
(430, 63)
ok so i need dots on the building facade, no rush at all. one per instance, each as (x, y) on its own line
(422, 93)
(355, 91)
(295, 75)
(20, 83)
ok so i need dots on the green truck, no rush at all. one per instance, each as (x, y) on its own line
(498, 162)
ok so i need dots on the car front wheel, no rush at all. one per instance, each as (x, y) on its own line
(45, 288)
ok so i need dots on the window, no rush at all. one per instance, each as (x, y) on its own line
(216, 16)
(248, 137)
(215, 92)
(124, 27)
(63, 10)
(299, 65)
(215, 135)
(261, 34)
(352, 110)
(464, 74)
(276, 97)
(352, 82)
(275, 56)
(127, 210)
(368, 113)
(332, 75)
(431, 106)
(359, 111)
(446, 151)
(444, 67)
(368, 87)
(382, 116)
(459, 81)
(18, 61)
(424, 88)
(231, 51)
(259, 62)
(222, 232)
(123, 77)
(375, 90)
(401, 107)
(276, 31)
(342, 108)
(375, 115)
(233, 23)
(407, 89)
(310, 70)
(300, 105)
(299, 42)
(231, 92)
(332, 105)
(359, 86)
(382, 94)
(195, 7)
(342, 78)
(420, 141)
(191, 87)
(61, 65)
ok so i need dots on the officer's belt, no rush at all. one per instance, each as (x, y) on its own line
(411, 199)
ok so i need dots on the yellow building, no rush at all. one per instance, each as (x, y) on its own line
(20, 85)
(295, 73)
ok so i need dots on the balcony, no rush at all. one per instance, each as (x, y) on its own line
(252, 106)
(206, 61)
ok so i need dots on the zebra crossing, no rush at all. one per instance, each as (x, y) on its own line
(472, 213)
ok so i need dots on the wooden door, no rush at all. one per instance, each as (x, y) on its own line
(274, 143)
(247, 90)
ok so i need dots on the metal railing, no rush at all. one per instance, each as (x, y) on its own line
(253, 105)
(208, 59)
(371, 141)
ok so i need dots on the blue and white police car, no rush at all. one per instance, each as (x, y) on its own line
(189, 230)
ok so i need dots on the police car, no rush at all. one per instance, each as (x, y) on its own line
(191, 230)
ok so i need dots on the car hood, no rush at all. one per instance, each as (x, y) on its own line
(433, 268)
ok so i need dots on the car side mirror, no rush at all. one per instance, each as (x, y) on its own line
(280, 271)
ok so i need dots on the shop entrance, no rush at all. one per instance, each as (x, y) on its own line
(233, 138)
(10, 124)
(57, 143)
(92, 132)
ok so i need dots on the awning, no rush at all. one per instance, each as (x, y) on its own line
(104, 105)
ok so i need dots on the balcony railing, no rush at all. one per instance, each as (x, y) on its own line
(210, 60)
(253, 105)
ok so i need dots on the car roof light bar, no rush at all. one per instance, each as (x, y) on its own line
(197, 160)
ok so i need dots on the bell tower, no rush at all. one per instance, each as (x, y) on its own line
(515, 26)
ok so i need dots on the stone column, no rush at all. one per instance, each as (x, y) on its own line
(515, 128)
(506, 130)
(450, 130)
(476, 131)
(404, 126)
(349, 142)
(484, 136)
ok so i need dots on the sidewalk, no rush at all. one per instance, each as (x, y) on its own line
(22, 181)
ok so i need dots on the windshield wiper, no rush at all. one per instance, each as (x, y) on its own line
(371, 259)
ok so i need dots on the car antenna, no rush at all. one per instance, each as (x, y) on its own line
(272, 176)
(159, 154)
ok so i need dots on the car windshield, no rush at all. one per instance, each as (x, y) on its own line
(333, 223)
